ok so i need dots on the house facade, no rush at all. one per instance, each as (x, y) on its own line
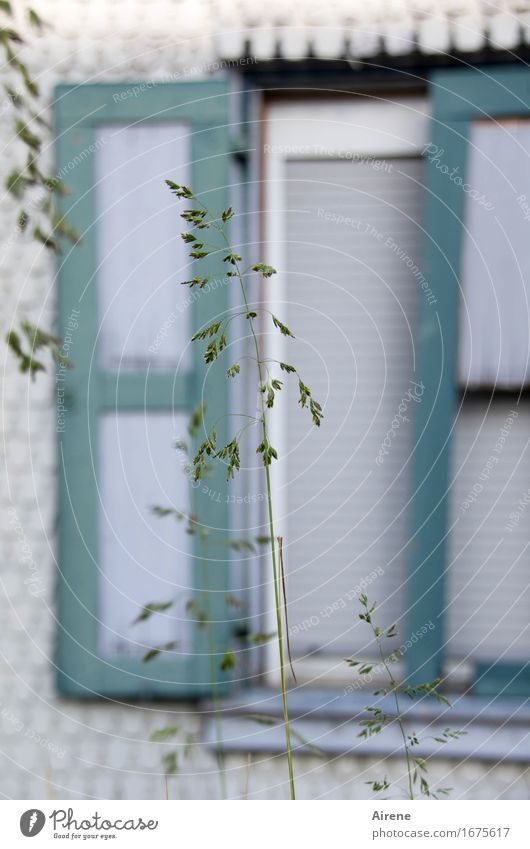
(379, 160)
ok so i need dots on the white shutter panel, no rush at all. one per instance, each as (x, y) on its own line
(488, 609)
(495, 311)
(142, 559)
(143, 314)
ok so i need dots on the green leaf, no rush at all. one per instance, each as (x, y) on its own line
(179, 191)
(207, 449)
(232, 257)
(242, 545)
(196, 281)
(16, 183)
(316, 412)
(265, 270)
(201, 617)
(27, 363)
(233, 370)
(194, 216)
(262, 540)
(31, 86)
(234, 601)
(260, 638)
(27, 136)
(196, 419)
(227, 214)
(154, 652)
(228, 661)
(14, 96)
(378, 786)
(267, 452)
(211, 352)
(284, 330)
(262, 719)
(166, 733)
(47, 240)
(170, 763)
(305, 393)
(444, 791)
(62, 228)
(153, 607)
(230, 453)
(207, 332)
(162, 512)
(35, 19)
(303, 741)
(36, 337)
(8, 34)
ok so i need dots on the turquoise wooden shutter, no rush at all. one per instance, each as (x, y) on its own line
(99, 390)
(458, 97)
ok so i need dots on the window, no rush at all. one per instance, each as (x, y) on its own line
(488, 597)
(472, 466)
(344, 210)
(134, 382)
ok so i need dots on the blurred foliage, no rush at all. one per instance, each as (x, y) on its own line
(34, 190)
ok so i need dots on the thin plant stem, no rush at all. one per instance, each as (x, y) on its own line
(247, 776)
(260, 365)
(219, 742)
(214, 680)
(277, 599)
(399, 718)
(277, 594)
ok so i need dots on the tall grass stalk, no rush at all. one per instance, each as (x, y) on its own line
(199, 221)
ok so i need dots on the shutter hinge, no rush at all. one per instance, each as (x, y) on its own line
(239, 147)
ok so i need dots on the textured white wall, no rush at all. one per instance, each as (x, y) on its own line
(52, 747)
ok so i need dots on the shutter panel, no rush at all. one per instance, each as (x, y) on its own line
(133, 386)
(142, 315)
(353, 283)
(141, 558)
(468, 560)
(494, 316)
(488, 592)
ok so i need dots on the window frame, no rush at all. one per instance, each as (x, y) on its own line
(458, 97)
(289, 125)
(79, 111)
